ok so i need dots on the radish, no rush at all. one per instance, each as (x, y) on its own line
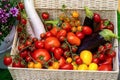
(35, 20)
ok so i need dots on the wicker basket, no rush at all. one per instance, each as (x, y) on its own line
(106, 8)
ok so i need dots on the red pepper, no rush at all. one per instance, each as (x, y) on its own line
(106, 24)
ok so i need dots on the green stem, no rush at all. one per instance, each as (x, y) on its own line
(89, 13)
(53, 22)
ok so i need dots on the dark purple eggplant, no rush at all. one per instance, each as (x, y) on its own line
(88, 21)
(95, 40)
(92, 19)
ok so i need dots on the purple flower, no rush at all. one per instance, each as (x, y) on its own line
(14, 11)
(3, 16)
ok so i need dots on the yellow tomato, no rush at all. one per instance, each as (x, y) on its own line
(69, 60)
(74, 29)
(75, 66)
(79, 28)
(93, 66)
(75, 14)
(86, 56)
(55, 65)
(30, 64)
(50, 67)
(83, 67)
(77, 23)
(37, 65)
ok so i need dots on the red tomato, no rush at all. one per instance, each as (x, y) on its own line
(80, 35)
(62, 61)
(16, 64)
(7, 60)
(108, 60)
(87, 30)
(41, 55)
(51, 42)
(21, 47)
(21, 5)
(66, 26)
(67, 66)
(97, 18)
(108, 45)
(28, 59)
(48, 34)
(19, 16)
(102, 56)
(23, 54)
(73, 39)
(78, 61)
(105, 67)
(54, 31)
(45, 15)
(66, 54)
(28, 42)
(101, 48)
(74, 49)
(95, 60)
(39, 44)
(58, 53)
(61, 33)
(111, 53)
(23, 21)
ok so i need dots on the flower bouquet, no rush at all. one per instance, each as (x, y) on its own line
(9, 14)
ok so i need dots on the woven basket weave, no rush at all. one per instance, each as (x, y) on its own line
(106, 8)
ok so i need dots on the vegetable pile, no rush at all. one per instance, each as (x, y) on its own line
(67, 44)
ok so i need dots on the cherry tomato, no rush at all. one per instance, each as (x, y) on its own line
(23, 54)
(95, 60)
(48, 34)
(58, 53)
(28, 59)
(111, 53)
(80, 35)
(61, 33)
(41, 55)
(55, 65)
(108, 60)
(23, 21)
(74, 29)
(87, 30)
(39, 44)
(45, 15)
(61, 61)
(66, 26)
(66, 54)
(101, 48)
(73, 39)
(105, 67)
(30, 65)
(102, 57)
(69, 60)
(28, 42)
(67, 66)
(19, 16)
(21, 47)
(54, 31)
(74, 49)
(78, 61)
(51, 42)
(7, 60)
(64, 46)
(37, 65)
(21, 5)
(97, 18)
(42, 35)
(75, 14)
(108, 45)
(16, 64)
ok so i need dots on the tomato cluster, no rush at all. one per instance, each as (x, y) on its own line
(57, 48)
